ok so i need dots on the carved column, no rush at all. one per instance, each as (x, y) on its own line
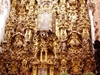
(34, 70)
(39, 71)
(40, 55)
(46, 55)
(46, 71)
(51, 70)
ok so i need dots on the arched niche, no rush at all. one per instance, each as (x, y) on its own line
(44, 21)
(17, 41)
(45, 17)
(74, 39)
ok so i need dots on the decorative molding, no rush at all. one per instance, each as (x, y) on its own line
(67, 47)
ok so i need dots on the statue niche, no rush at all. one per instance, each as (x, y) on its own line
(74, 40)
(45, 21)
(24, 68)
(42, 71)
(76, 66)
(28, 34)
(17, 41)
(45, 17)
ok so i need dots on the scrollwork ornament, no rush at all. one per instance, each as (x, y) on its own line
(48, 36)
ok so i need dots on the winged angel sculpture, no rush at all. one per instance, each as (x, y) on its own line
(4, 12)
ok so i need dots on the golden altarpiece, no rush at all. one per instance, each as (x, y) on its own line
(47, 37)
